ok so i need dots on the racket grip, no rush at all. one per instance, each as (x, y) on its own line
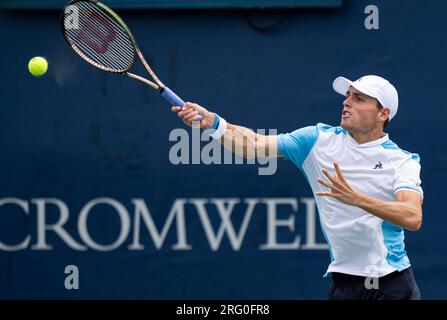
(174, 99)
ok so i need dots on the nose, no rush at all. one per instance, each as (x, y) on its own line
(347, 102)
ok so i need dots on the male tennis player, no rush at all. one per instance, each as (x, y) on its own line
(368, 190)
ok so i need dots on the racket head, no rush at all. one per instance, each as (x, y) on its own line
(98, 35)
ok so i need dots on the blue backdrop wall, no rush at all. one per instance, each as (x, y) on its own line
(78, 135)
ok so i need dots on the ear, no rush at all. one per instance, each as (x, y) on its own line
(384, 114)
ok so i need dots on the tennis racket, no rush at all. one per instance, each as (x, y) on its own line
(100, 37)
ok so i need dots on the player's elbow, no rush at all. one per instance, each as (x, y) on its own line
(416, 226)
(415, 223)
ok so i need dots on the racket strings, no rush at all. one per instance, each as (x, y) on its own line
(93, 45)
(126, 46)
(95, 20)
(99, 39)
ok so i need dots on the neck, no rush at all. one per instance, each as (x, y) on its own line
(361, 137)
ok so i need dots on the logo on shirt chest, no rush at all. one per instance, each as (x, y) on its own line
(378, 166)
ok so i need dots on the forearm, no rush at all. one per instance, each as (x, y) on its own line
(403, 214)
(246, 143)
(240, 140)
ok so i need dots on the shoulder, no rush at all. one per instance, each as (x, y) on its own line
(393, 149)
(401, 158)
(332, 135)
(297, 144)
(312, 133)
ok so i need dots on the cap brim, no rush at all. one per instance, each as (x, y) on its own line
(341, 85)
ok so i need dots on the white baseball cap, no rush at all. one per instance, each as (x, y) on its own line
(373, 86)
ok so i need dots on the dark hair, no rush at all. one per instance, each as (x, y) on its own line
(380, 107)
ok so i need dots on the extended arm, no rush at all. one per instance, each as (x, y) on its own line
(240, 140)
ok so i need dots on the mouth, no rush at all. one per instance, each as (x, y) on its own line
(345, 114)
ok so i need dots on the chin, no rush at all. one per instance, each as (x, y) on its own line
(344, 125)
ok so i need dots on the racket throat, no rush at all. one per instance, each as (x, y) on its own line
(149, 83)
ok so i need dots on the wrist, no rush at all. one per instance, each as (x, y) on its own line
(361, 200)
(214, 120)
(219, 127)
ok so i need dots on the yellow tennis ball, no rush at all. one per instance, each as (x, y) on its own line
(38, 66)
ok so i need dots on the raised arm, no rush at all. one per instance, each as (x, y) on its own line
(240, 140)
(405, 211)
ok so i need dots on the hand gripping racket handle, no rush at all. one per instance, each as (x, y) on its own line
(174, 99)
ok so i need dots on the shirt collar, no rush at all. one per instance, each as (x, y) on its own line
(373, 143)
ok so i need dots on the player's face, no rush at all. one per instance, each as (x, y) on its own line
(360, 112)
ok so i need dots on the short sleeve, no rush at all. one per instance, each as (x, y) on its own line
(407, 176)
(297, 145)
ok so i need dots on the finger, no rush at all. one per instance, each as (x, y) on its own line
(328, 175)
(185, 113)
(188, 105)
(194, 106)
(324, 183)
(183, 110)
(176, 109)
(338, 170)
(198, 117)
(191, 116)
(325, 194)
